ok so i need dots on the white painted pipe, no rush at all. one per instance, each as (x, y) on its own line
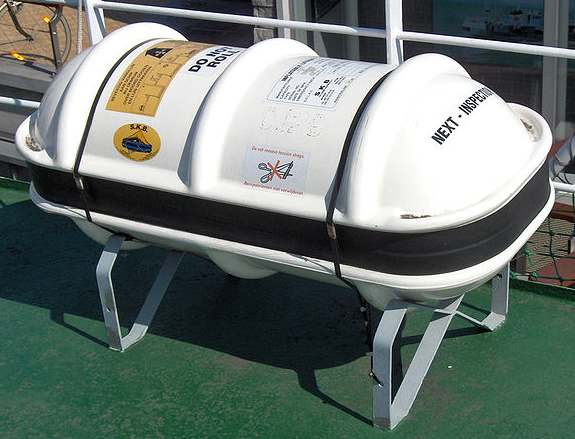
(242, 19)
(20, 103)
(564, 187)
(476, 43)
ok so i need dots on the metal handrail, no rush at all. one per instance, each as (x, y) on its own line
(71, 3)
(19, 103)
(422, 37)
(240, 19)
(564, 187)
(476, 43)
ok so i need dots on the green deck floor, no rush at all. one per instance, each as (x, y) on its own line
(273, 358)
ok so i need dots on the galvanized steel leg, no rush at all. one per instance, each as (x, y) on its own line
(499, 303)
(382, 360)
(499, 300)
(389, 411)
(108, 300)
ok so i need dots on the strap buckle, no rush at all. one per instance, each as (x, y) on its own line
(331, 231)
(79, 182)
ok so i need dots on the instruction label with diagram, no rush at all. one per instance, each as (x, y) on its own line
(140, 88)
(275, 169)
(317, 82)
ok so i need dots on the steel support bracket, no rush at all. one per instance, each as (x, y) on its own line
(389, 410)
(52, 27)
(105, 286)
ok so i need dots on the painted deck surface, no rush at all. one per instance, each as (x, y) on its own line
(275, 358)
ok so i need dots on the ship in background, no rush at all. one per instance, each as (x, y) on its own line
(516, 24)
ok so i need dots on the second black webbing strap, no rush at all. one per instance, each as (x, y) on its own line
(330, 225)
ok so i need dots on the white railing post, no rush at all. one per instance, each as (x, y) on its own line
(554, 77)
(95, 20)
(393, 28)
(283, 12)
(351, 12)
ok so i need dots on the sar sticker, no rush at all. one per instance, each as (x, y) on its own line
(137, 141)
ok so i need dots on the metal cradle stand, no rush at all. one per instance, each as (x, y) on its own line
(388, 411)
(150, 306)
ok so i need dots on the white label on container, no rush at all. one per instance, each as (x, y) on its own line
(317, 82)
(276, 170)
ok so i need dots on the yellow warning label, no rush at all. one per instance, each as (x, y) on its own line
(142, 85)
(137, 141)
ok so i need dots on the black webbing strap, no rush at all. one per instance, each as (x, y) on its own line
(330, 225)
(80, 184)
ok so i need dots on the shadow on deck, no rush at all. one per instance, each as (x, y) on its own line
(221, 354)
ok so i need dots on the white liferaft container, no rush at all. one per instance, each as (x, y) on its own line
(233, 155)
